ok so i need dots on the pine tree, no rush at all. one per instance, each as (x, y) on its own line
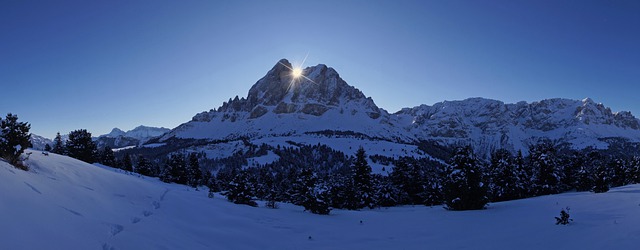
(14, 139)
(401, 179)
(341, 192)
(525, 176)
(634, 167)
(107, 157)
(306, 193)
(144, 167)
(387, 193)
(619, 172)
(303, 186)
(240, 191)
(543, 160)
(208, 179)
(504, 177)
(362, 181)
(463, 187)
(175, 170)
(407, 177)
(584, 178)
(433, 194)
(601, 179)
(81, 146)
(321, 203)
(194, 174)
(47, 148)
(127, 162)
(58, 145)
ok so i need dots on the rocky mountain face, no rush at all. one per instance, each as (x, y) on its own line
(320, 90)
(137, 136)
(321, 105)
(490, 124)
(280, 103)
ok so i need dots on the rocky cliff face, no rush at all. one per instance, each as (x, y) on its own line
(490, 124)
(320, 90)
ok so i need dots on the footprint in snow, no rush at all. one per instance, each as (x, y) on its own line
(147, 213)
(164, 194)
(135, 220)
(116, 229)
(156, 205)
(33, 188)
(106, 246)
(72, 211)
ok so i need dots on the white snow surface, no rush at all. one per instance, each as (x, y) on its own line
(63, 203)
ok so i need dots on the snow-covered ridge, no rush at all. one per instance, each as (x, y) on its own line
(492, 124)
(137, 136)
(140, 132)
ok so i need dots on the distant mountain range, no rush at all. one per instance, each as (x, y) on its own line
(323, 109)
(115, 139)
(137, 136)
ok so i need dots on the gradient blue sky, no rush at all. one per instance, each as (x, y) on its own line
(66, 65)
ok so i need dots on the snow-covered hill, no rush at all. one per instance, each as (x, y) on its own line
(63, 203)
(322, 107)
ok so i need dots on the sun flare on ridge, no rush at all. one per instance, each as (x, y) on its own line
(296, 72)
(297, 75)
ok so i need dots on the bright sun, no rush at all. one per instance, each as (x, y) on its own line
(296, 72)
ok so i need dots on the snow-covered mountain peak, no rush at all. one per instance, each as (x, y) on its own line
(115, 132)
(282, 103)
(317, 91)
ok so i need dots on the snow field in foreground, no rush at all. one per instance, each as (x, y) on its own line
(63, 203)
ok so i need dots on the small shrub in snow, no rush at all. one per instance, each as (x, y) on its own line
(564, 217)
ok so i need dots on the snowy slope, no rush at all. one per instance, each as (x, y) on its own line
(67, 204)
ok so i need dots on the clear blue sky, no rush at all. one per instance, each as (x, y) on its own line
(66, 65)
